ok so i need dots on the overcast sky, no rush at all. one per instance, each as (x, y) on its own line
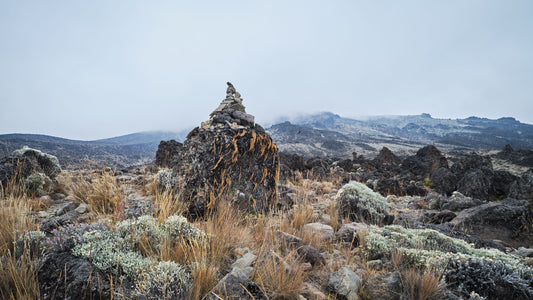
(97, 69)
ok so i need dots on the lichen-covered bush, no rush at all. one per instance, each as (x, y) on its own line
(165, 280)
(467, 269)
(37, 184)
(489, 278)
(425, 243)
(120, 252)
(359, 202)
(30, 242)
(66, 237)
(165, 180)
(48, 162)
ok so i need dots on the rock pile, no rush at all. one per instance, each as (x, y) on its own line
(36, 169)
(227, 156)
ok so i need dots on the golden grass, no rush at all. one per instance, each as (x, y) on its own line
(18, 275)
(422, 285)
(98, 189)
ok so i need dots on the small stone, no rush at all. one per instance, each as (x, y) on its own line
(320, 230)
(43, 214)
(375, 264)
(66, 208)
(245, 261)
(82, 208)
(241, 251)
(344, 284)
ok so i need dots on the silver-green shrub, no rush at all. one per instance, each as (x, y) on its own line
(359, 202)
(165, 180)
(37, 184)
(466, 268)
(118, 252)
(166, 280)
(48, 162)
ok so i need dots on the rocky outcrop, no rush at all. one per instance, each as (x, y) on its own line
(426, 160)
(523, 187)
(228, 154)
(167, 153)
(504, 220)
(36, 169)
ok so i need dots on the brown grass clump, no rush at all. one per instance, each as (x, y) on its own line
(98, 189)
(18, 275)
(422, 285)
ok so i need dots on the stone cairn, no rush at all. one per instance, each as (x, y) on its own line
(227, 156)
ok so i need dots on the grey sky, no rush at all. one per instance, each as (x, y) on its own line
(97, 69)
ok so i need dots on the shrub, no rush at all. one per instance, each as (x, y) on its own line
(37, 184)
(165, 280)
(357, 201)
(488, 278)
(66, 237)
(466, 268)
(122, 252)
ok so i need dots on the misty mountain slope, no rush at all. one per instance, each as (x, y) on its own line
(403, 133)
(119, 151)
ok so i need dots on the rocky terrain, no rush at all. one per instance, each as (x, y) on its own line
(226, 215)
(328, 134)
(119, 152)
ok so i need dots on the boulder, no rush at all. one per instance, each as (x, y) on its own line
(443, 180)
(523, 187)
(426, 161)
(320, 230)
(225, 157)
(64, 276)
(36, 169)
(311, 255)
(344, 284)
(501, 184)
(506, 220)
(388, 186)
(349, 233)
(167, 153)
(236, 285)
(476, 183)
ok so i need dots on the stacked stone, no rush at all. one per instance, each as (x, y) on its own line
(227, 156)
(230, 114)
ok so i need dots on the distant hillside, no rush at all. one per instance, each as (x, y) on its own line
(118, 151)
(401, 133)
(324, 134)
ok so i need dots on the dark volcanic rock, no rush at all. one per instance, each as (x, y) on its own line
(523, 187)
(167, 153)
(476, 183)
(22, 163)
(221, 158)
(386, 158)
(311, 255)
(64, 276)
(236, 285)
(388, 186)
(505, 220)
(443, 180)
(426, 160)
(502, 183)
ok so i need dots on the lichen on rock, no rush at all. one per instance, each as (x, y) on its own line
(227, 154)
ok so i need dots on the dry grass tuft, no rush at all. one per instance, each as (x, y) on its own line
(18, 276)
(282, 277)
(98, 189)
(422, 285)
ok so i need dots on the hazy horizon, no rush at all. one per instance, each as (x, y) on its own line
(102, 69)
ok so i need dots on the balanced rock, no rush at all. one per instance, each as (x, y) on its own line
(227, 155)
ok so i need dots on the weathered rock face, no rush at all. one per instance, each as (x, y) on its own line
(523, 187)
(426, 160)
(167, 153)
(228, 155)
(36, 168)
